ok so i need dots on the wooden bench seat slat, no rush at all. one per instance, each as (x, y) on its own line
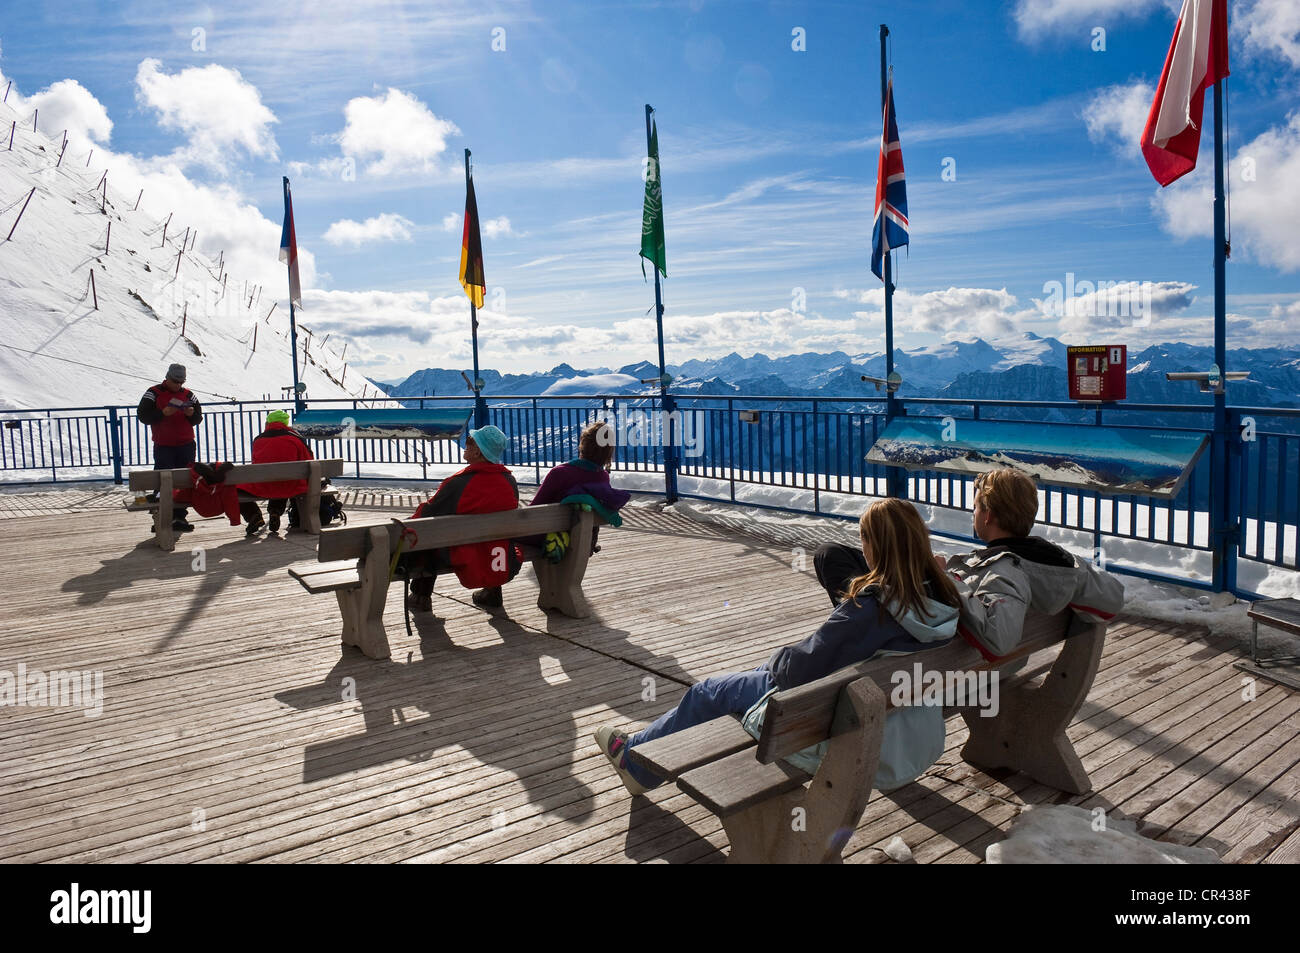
(737, 781)
(673, 755)
(328, 577)
(241, 473)
(439, 532)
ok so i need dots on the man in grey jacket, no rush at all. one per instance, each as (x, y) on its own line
(1011, 573)
(1016, 571)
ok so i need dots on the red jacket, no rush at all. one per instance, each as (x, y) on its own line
(173, 430)
(278, 444)
(209, 499)
(479, 488)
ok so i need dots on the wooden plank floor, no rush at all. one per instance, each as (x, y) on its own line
(235, 728)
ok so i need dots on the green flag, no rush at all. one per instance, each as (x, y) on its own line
(652, 217)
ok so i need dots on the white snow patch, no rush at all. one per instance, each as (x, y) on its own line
(898, 850)
(1064, 834)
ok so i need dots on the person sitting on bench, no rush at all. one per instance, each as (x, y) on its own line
(485, 486)
(903, 603)
(1013, 572)
(276, 444)
(587, 476)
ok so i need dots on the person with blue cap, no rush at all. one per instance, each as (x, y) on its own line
(485, 486)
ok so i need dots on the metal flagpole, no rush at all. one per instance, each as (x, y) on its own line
(666, 401)
(895, 478)
(480, 406)
(1223, 503)
(293, 324)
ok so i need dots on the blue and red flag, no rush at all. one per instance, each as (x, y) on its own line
(289, 248)
(890, 228)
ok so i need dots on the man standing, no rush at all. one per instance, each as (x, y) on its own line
(1011, 573)
(171, 411)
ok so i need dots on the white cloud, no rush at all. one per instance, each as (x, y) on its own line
(1118, 114)
(1036, 17)
(397, 130)
(1270, 27)
(956, 312)
(1264, 184)
(213, 106)
(67, 105)
(452, 221)
(1086, 306)
(494, 227)
(387, 227)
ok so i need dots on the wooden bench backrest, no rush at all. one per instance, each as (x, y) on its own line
(809, 714)
(243, 473)
(438, 532)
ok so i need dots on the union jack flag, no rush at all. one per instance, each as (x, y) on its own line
(890, 228)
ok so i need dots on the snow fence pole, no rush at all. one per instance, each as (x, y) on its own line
(20, 213)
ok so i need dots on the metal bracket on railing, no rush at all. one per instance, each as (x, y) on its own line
(890, 383)
(1211, 381)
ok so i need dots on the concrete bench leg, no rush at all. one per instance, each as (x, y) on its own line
(309, 502)
(165, 535)
(1028, 733)
(561, 583)
(813, 825)
(366, 608)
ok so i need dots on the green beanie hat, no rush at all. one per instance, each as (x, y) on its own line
(278, 417)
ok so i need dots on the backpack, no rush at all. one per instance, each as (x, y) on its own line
(331, 507)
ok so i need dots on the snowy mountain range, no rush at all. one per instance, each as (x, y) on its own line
(1027, 368)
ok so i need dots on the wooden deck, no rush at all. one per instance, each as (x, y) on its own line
(234, 728)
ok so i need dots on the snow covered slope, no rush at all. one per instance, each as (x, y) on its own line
(57, 349)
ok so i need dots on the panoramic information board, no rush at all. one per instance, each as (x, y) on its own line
(1104, 459)
(383, 423)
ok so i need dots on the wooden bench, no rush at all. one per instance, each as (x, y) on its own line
(163, 482)
(756, 795)
(353, 562)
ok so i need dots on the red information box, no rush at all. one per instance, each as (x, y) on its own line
(1097, 372)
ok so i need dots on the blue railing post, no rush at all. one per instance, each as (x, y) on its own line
(115, 441)
(895, 477)
(1232, 501)
(668, 405)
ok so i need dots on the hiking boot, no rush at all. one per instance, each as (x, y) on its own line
(613, 744)
(275, 523)
(182, 526)
(420, 602)
(255, 528)
(488, 598)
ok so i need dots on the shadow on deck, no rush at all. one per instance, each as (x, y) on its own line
(235, 726)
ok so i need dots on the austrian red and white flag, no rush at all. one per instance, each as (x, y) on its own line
(1198, 58)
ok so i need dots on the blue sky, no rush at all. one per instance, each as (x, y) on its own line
(768, 156)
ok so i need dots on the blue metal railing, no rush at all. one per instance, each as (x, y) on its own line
(791, 453)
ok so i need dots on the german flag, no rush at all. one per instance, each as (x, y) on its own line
(471, 250)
